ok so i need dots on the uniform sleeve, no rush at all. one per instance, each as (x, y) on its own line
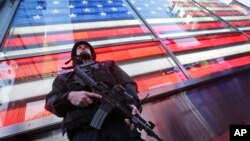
(126, 81)
(56, 100)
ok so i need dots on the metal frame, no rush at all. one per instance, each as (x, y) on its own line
(68, 50)
(221, 19)
(27, 126)
(6, 13)
(166, 91)
(155, 94)
(243, 5)
(170, 53)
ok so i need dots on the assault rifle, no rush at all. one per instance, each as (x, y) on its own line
(113, 99)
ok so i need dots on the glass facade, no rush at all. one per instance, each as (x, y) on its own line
(205, 36)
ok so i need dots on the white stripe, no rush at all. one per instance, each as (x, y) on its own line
(41, 87)
(107, 24)
(195, 19)
(194, 33)
(68, 47)
(71, 27)
(213, 54)
(232, 18)
(244, 28)
(28, 89)
(210, 8)
(146, 66)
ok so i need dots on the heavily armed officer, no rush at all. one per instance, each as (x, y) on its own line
(77, 104)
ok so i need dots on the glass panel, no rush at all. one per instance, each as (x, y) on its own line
(45, 26)
(244, 2)
(24, 82)
(42, 34)
(201, 42)
(234, 12)
(146, 62)
(179, 18)
(206, 55)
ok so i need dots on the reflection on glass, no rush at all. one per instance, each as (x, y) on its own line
(179, 18)
(146, 62)
(201, 42)
(234, 12)
(244, 2)
(210, 54)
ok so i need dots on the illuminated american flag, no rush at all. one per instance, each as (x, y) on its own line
(201, 42)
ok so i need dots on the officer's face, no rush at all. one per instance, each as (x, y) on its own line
(83, 48)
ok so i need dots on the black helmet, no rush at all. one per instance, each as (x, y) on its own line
(74, 56)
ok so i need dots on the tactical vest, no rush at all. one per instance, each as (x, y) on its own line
(99, 72)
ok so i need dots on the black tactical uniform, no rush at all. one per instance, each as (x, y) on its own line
(76, 120)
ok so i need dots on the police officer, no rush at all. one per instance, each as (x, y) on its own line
(76, 103)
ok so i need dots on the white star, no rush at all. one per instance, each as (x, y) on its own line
(86, 10)
(103, 14)
(159, 8)
(129, 12)
(152, 12)
(139, 8)
(39, 7)
(99, 5)
(132, 1)
(146, 5)
(71, 6)
(37, 17)
(124, 5)
(72, 15)
(114, 9)
(181, 13)
(55, 11)
(84, 2)
(55, 2)
(110, 1)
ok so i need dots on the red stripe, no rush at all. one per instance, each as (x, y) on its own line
(191, 4)
(88, 35)
(223, 65)
(204, 42)
(219, 13)
(82, 35)
(181, 27)
(148, 82)
(240, 23)
(46, 65)
(21, 114)
(129, 52)
(51, 64)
